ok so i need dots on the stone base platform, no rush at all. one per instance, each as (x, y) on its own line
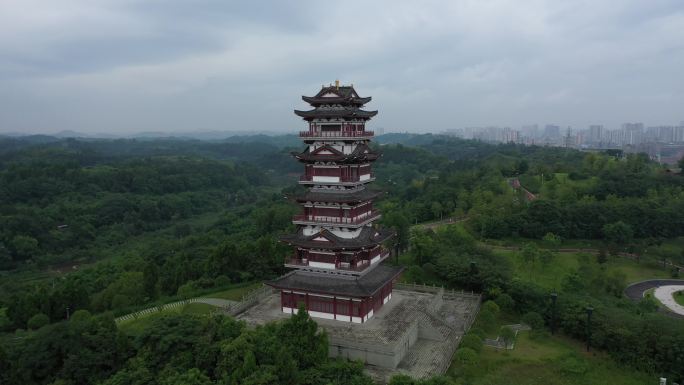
(415, 333)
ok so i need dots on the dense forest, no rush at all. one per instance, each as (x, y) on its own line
(96, 228)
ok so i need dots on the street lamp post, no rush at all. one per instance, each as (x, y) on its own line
(554, 298)
(67, 309)
(590, 310)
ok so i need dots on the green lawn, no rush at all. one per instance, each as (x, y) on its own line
(636, 272)
(674, 245)
(551, 275)
(135, 326)
(547, 360)
(236, 293)
(197, 308)
(679, 297)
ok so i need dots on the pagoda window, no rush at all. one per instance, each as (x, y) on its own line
(327, 211)
(342, 306)
(326, 171)
(321, 304)
(356, 309)
(326, 258)
(331, 127)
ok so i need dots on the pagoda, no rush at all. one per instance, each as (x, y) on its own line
(337, 250)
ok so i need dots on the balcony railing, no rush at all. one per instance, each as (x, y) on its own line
(298, 263)
(322, 219)
(335, 134)
(343, 179)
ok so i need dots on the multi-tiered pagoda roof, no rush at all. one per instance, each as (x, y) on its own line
(327, 153)
(345, 95)
(336, 102)
(368, 237)
(344, 112)
(366, 285)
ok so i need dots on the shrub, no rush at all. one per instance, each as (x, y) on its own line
(487, 320)
(429, 269)
(80, 315)
(534, 320)
(221, 281)
(466, 356)
(491, 306)
(505, 302)
(186, 290)
(478, 332)
(38, 321)
(120, 301)
(415, 273)
(471, 341)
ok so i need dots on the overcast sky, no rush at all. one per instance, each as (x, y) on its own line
(118, 66)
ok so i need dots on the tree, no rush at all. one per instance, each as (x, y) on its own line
(487, 320)
(545, 257)
(529, 253)
(533, 320)
(150, 279)
(398, 221)
(186, 290)
(5, 322)
(423, 246)
(191, 377)
(24, 246)
(471, 341)
(618, 232)
(300, 336)
(553, 240)
(136, 373)
(681, 165)
(5, 257)
(466, 356)
(505, 302)
(5, 366)
(38, 321)
(615, 283)
(491, 306)
(602, 256)
(436, 209)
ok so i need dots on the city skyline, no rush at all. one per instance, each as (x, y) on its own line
(123, 67)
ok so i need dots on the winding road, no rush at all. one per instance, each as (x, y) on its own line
(636, 291)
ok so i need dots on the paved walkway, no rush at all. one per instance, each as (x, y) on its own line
(499, 343)
(665, 295)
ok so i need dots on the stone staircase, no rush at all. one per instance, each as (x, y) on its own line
(433, 351)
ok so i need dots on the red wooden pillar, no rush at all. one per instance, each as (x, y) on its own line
(282, 300)
(351, 309)
(334, 307)
(306, 301)
(364, 306)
